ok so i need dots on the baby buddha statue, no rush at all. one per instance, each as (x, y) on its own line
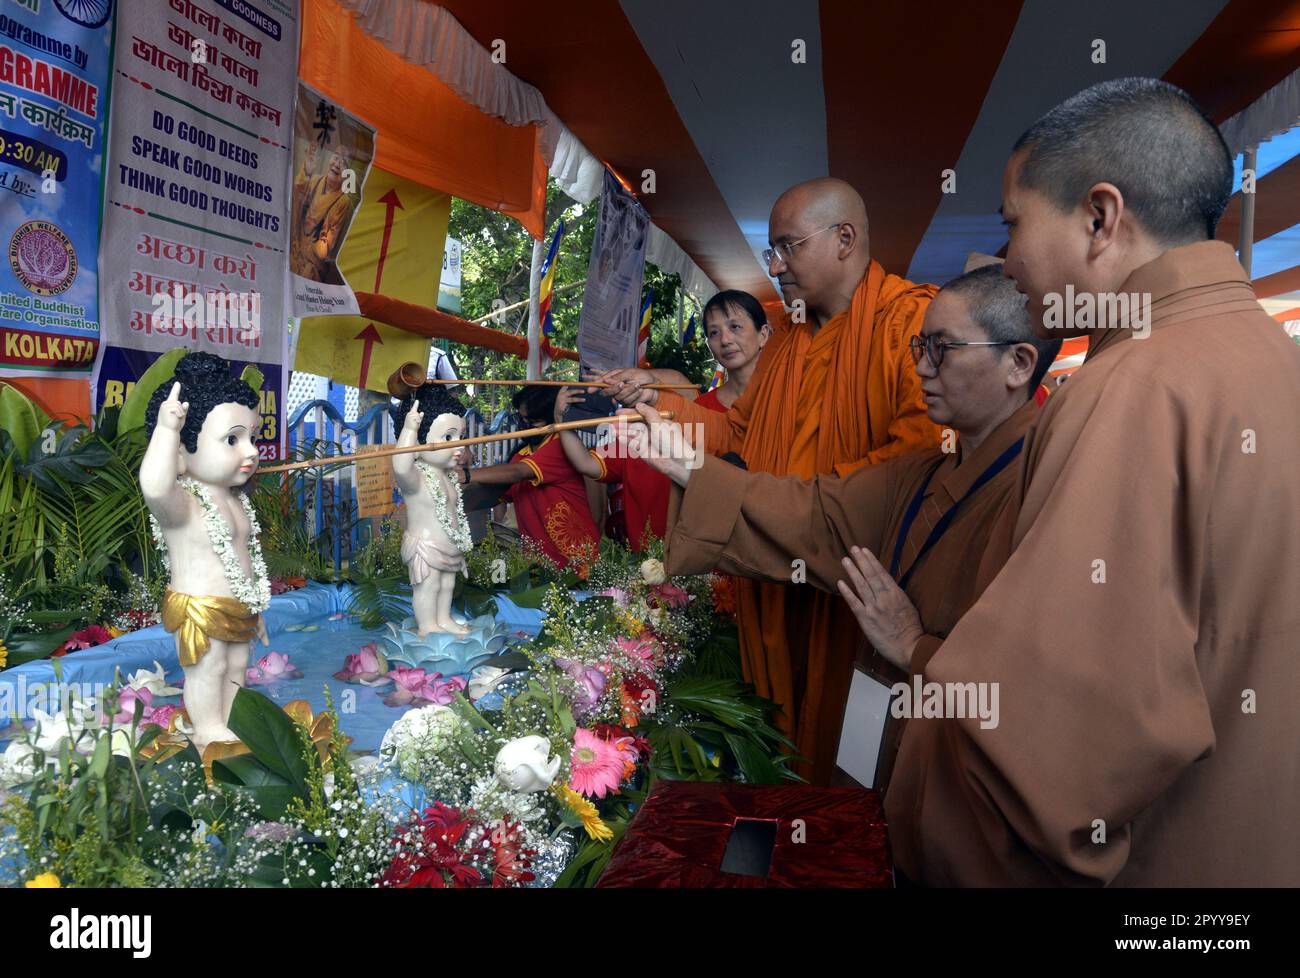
(195, 477)
(437, 535)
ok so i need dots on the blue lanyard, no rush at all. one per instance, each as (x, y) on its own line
(1000, 463)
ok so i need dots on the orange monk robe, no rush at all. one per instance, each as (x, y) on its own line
(819, 403)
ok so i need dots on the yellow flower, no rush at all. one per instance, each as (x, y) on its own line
(4, 655)
(46, 881)
(115, 631)
(586, 811)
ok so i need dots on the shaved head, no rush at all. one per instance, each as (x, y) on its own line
(1148, 138)
(818, 230)
(826, 200)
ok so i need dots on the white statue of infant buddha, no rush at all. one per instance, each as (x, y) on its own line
(201, 458)
(437, 535)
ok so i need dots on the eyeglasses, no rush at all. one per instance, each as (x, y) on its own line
(786, 249)
(934, 348)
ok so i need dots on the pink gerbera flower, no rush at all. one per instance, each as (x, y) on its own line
(597, 765)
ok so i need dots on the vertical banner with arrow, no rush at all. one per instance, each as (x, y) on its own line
(332, 151)
(395, 248)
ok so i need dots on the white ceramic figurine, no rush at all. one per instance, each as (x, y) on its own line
(437, 535)
(201, 457)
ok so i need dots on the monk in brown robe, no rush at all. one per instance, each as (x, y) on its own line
(1144, 630)
(321, 210)
(979, 362)
(834, 391)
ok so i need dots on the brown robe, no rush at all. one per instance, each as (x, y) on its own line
(822, 400)
(1160, 704)
(755, 524)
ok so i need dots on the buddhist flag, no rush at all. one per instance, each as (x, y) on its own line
(688, 334)
(643, 337)
(395, 249)
(545, 291)
(719, 376)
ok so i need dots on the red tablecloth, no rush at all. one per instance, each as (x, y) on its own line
(678, 837)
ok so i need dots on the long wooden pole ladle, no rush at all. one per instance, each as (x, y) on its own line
(546, 429)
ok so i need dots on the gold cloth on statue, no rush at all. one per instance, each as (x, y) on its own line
(196, 620)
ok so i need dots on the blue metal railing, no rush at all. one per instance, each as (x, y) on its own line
(322, 422)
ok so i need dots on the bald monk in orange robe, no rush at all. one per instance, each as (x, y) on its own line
(829, 394)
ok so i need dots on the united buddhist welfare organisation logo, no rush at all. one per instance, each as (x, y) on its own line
(43, 258)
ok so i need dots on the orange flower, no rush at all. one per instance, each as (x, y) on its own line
(724, 595)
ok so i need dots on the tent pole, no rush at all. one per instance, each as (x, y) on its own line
(1247, 242)
(534, 322)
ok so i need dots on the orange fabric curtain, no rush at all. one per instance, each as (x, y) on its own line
(427, 133)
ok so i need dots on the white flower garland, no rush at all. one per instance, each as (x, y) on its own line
(254, 592)
(460, 535)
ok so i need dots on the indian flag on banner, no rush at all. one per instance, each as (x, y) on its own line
(545, 292)
(643, 337)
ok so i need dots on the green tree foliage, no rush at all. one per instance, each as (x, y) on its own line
(496, 258)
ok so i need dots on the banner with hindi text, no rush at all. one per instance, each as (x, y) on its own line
(54, 79)
(196, 191)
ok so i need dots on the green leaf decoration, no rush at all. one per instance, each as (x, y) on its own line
(272, 737)
(21, 418)
(73, 454)
(99, 760)
(137, 402)
(252, 377)
(271, 793)
(28, 647)
(532, 598)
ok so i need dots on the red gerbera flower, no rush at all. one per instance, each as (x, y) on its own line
(510, 862)
(608, 731)
(86, 638)
(431, 855)
(634, 698)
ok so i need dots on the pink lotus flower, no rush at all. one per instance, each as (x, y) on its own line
(366, 666)
(670, 596)
(590, 682)
(160, 715)
(443, 691)
(271, 668)
(415, 687)
(596, 765)
(126, 700)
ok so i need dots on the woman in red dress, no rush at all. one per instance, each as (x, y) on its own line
(736, 329)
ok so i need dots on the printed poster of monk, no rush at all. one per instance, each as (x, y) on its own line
(332, 152)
